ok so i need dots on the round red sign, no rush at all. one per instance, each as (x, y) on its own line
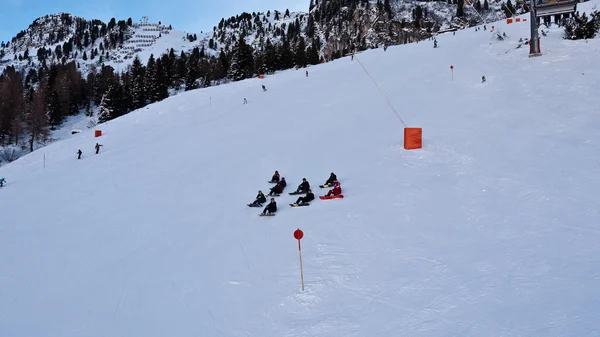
(298, 234)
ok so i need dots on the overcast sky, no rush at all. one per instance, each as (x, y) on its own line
(188, 15)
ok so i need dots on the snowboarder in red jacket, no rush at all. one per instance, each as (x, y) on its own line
(278, 189)
(337, 189)
(275, 178)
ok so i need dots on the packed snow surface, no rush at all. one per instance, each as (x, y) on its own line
(490, 230)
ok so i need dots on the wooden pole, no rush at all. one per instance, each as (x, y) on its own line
(301, 271)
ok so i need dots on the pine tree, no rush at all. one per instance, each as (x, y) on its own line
(192, 70)
(242, 61)
(313, 53)
(36, 120)
(301, 59)
(460, 12)
(138, 92)
(162, 81)
(286, 55)
(105, 110)
(151, 86)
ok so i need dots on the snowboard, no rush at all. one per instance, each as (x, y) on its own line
(296, 193)
(272, 214)
(273, 195)
(324, 186)
(272, 182)
(259, 205)
(299, 205)
(324, 197)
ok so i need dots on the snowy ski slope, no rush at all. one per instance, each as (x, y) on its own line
(490, 230)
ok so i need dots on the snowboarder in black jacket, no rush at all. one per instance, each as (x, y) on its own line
(303, 187)
(79, 153)
(260, 199)
(271, 207)
(308, 198)
(331, 179)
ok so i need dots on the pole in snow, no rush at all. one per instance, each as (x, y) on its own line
(298, 234)
(452, 71)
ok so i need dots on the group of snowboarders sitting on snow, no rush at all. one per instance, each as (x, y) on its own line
(303, 188)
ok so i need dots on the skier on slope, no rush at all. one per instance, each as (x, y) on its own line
(98, 147)
(303, 187)
(79, 153)
(275, 178)
(337, 189)
(2, 181)
(260, 199)
(308, 198)
(271, 207)
(331, 180)
(264, 88)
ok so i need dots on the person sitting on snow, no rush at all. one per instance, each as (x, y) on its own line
(2, 181)
(303, 187)
(282, 182)
(308, 198)
(331, 179)
(275, 178)
(271, 207)
(278, 189)
(337, 189)
(260, 199)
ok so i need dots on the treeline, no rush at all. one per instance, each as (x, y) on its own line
(82, 35)
(31, 104)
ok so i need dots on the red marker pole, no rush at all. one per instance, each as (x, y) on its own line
(298, 234)
(452, 71)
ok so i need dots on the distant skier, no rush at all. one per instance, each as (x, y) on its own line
(245, 100)
(271, 207)
(435, 44)
(331, 180)
(79, 153)
(275, 178)
(308, 198)
(337, 189)
(303, 187)
(264, 88)
(307, 73)
(98, 147)
(483, 79)
(2, 181)
(260, 199)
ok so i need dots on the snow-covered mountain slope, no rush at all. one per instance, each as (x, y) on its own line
(114, 45)
(489, 230)
(333, 26)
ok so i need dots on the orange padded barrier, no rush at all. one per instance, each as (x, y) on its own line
(413, 138)
(98, 133)
(261, 76)
(509, 21)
